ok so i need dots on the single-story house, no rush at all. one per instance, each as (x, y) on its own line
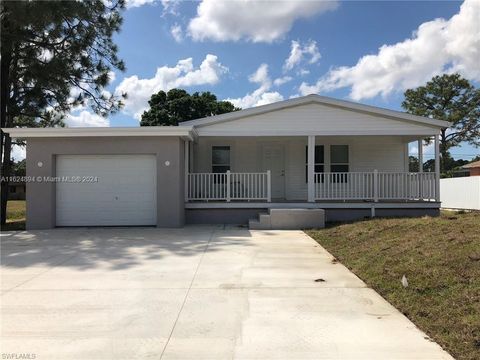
(311, 152)
(473, 168)
(16, 190)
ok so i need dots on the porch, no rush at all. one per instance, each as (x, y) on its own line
(305, 170)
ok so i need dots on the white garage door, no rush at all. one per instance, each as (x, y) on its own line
(123, 190)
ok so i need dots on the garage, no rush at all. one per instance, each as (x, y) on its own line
(106, 190)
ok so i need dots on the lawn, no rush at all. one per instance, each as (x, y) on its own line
(440, 258)
(15, 215)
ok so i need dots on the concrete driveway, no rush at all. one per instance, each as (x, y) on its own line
(193, 293)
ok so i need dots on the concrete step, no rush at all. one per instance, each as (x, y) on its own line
(297, 219)
(265, 220)
(289, 219)
(254, 224)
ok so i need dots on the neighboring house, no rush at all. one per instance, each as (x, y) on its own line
(473, 168)
(16, 191)
(308, 152)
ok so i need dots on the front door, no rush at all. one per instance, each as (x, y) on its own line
(274, 160)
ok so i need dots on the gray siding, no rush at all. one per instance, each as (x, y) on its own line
(170, 179)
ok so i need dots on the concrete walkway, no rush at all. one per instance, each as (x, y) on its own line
(193, 293)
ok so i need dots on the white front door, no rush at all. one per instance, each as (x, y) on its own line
(274, 160)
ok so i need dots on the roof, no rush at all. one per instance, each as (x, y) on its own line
(323, 100)
(187, 129)
(472, 165)
(187, 132)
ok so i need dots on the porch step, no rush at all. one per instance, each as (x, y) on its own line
(289, 219)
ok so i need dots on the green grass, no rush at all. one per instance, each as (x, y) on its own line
(15, 215)
(439, 256)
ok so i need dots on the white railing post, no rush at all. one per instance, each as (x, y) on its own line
(375, 185)
(437, 168)
(227, 183)
(269, 186)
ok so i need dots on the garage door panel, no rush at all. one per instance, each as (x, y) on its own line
(124, 194)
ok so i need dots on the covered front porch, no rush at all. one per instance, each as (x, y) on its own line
(301, 170)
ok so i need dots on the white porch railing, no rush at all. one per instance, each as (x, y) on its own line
(375, 186)
(229, 186)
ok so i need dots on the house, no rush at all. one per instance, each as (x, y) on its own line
(473, 168)
(16, 190)
(312, 152)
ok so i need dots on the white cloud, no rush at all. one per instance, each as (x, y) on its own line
(170, 6)
(18, 152)
(303, 72)
(138, 3)
(112, 76)
(299, 53)
(86, 119)
(183, 74)
(282, 80)
(177, 33)
(438, 46)
(257, 21)
(262, 95)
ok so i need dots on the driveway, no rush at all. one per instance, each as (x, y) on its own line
(193, 293)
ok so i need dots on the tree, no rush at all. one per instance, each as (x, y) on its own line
(55, 55)
(177, 105)
(451, 98)
(413, 164)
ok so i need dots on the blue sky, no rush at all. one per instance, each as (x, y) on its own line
(261, 52)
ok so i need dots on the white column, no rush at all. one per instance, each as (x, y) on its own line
(187, 166)
(437, 168)
(191, 159)
(420, 156)
(311, 168)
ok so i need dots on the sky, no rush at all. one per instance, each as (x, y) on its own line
(258, 52)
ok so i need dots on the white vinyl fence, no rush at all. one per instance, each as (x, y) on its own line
(460, 193)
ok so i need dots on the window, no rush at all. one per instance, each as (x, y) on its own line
(319, 162)
(220, 159)
(13, 189)
(339, 162)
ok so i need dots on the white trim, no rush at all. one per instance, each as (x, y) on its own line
(316, 205)
(313, 98)
(278, 132)
(186, 132)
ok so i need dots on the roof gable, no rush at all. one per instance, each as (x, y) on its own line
(312, 115)
(320, 100)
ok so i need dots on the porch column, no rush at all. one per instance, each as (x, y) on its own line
(186, 154)
(420, 155)
(437, 168)
(311, 168)
(191, 157)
